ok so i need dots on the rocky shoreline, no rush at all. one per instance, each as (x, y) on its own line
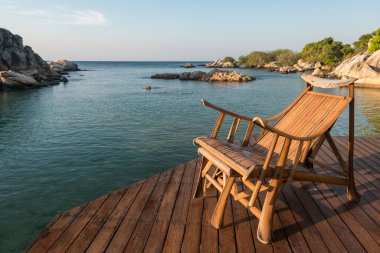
(22, 68)
(364, 67)
(215, 75)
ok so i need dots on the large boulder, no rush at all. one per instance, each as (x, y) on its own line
(374, 60)
(271, 65)
(62, 66)
(228, 76)
(303, 65)
(364, 67)
(352, 67)
(13, 80)
(318, 72)
(286, 70)
(195, 75)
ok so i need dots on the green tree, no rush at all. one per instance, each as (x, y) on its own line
(361, 45)
(285, 57)
(228, 59)
(374, 44)
(255, 58)
(376, 32)
(326, 51)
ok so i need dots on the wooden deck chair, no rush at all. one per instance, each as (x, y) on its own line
(281, 154)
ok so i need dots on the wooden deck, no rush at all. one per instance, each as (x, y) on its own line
(158, 215)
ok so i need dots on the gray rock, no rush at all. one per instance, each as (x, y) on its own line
(11, 79)
(188, 65)
(221, 64)
(7, 59)
(215, 75)
(62, 66)
(22, 59)
(165, 76)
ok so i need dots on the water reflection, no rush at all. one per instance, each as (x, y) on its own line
(368, 104)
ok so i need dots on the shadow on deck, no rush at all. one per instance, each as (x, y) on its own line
(158, 215)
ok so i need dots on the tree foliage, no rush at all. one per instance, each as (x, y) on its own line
(326, 51)
(229, 59)
(285, 57)
(259, 58)
(374, 44)
(361, 45)
(254, 59)
(368, 42)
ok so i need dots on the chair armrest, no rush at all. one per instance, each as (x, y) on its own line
(235, 115)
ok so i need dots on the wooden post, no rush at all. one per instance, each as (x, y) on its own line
(199, 190)
(309, 86)
(352, 194)
(217, 216)
(264, 229)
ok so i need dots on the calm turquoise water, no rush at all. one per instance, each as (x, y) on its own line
(65, 145)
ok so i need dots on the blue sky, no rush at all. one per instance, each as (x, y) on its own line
(181, 30)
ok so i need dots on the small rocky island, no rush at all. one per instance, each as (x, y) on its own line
(22, 68)
(215, 75)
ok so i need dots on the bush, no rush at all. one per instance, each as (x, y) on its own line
(374, 44)
(255, 58)
(326, 51)
(228, 59)
(285, 57)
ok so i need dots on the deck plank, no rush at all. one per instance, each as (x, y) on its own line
(49, 236)
(209, 235)
(105, 234)
(144, 225)
(192, 236)
(243, 234)
(125, 230)
(158, 214)
(89, 232)
(69, 235)
(178, 220)
(158, 233)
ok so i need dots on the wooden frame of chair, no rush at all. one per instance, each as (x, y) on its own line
(224, 173)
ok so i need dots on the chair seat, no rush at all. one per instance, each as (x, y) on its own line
(238, 158)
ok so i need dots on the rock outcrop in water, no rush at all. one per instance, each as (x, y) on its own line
(21, 67)
(212, 76)
(14, 80)
(63, 66)
(221, 64)
(364, 66)
(165, 76)
(188, 65)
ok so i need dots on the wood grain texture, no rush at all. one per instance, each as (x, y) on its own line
(158, 214)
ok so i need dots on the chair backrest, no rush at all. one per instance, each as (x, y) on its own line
(312, 112)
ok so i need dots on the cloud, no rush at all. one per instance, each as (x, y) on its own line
(87, 17)
(37, 13)
(61, 16)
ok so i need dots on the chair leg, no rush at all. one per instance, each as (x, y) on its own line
(217, 216)
(264, 230)
(352, 194)
(200, 190)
